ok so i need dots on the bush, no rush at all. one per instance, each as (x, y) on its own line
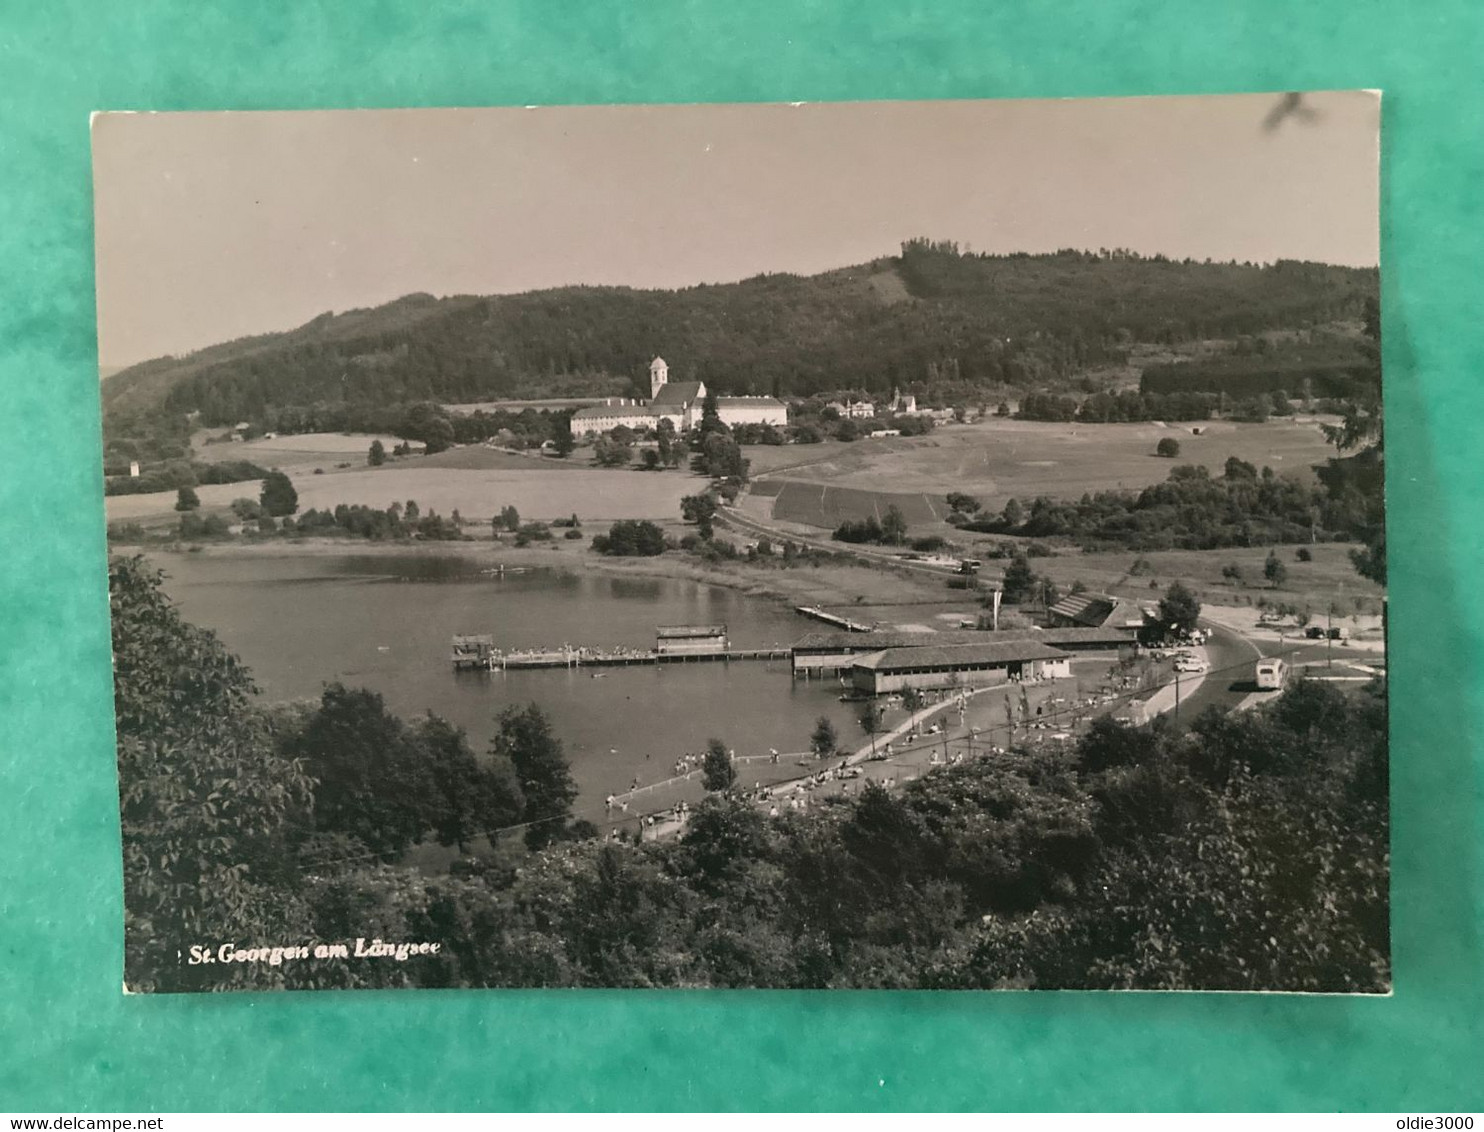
(1303, 554)
(631, 538)
(1169, 447)
(572, 534)
(929, 543)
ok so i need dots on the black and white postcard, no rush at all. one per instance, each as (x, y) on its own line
(875, 545)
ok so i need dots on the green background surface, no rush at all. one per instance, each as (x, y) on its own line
(70, 1041)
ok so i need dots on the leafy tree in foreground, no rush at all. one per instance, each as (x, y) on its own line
(372, 778)
(526, 739)
(469, 799)
(206, 800)
(717, 771)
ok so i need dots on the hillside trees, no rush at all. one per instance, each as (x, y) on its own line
(1016, 320)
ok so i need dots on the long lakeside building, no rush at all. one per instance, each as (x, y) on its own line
(828, 653)
(957, 666)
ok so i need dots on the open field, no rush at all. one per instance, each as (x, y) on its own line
(1328, 578)
(998, 459)
(827, 505)
(308, 450)
(480, 458)
(537, 492)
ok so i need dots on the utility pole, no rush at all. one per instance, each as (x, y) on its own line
(1329, 638)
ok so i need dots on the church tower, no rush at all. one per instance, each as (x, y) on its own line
(659, 373)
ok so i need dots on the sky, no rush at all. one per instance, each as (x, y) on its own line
(212, 226)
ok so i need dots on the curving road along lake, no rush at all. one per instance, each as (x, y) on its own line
(384, 621)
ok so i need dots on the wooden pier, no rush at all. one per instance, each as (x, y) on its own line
(495, 661)
(817, 614)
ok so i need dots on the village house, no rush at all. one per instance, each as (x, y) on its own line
(853, 410)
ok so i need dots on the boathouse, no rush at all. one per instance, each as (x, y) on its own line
(823, 653)
(690, 640)
(957, 666)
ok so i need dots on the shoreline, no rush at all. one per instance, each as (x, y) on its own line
(807, 584)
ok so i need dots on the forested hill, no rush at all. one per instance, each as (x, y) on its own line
(931, 313)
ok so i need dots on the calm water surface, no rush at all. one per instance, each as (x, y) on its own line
(385, 621)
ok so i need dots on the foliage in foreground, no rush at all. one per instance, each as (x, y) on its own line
(1249, 852)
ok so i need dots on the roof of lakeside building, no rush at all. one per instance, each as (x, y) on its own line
(874, 641)
(1099, 611)
(950, 656)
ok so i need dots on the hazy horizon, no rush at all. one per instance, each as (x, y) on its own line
(224, 225)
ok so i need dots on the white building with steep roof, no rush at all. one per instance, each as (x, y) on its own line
(679, 402)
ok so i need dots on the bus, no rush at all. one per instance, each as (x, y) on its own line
(1272, 674)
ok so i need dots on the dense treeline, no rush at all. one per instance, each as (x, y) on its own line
(1328, 366)
(1193, 510)
(1123, 406)
(181, 473)
(1249, 852)
(931, 315)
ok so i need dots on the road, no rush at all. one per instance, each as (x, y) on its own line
(749, 525)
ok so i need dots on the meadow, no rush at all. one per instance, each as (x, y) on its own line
(536, 491)
(1328, 578)
(999, 459)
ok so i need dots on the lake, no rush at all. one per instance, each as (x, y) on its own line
(384, 621)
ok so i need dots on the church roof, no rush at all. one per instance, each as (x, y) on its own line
(677, 393)
(658, 362)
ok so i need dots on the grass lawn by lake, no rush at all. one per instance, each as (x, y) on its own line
(536, 491)
(1330, 577)
(999, 459)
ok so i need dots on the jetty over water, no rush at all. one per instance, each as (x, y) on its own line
(492, 659)
(818, 614)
